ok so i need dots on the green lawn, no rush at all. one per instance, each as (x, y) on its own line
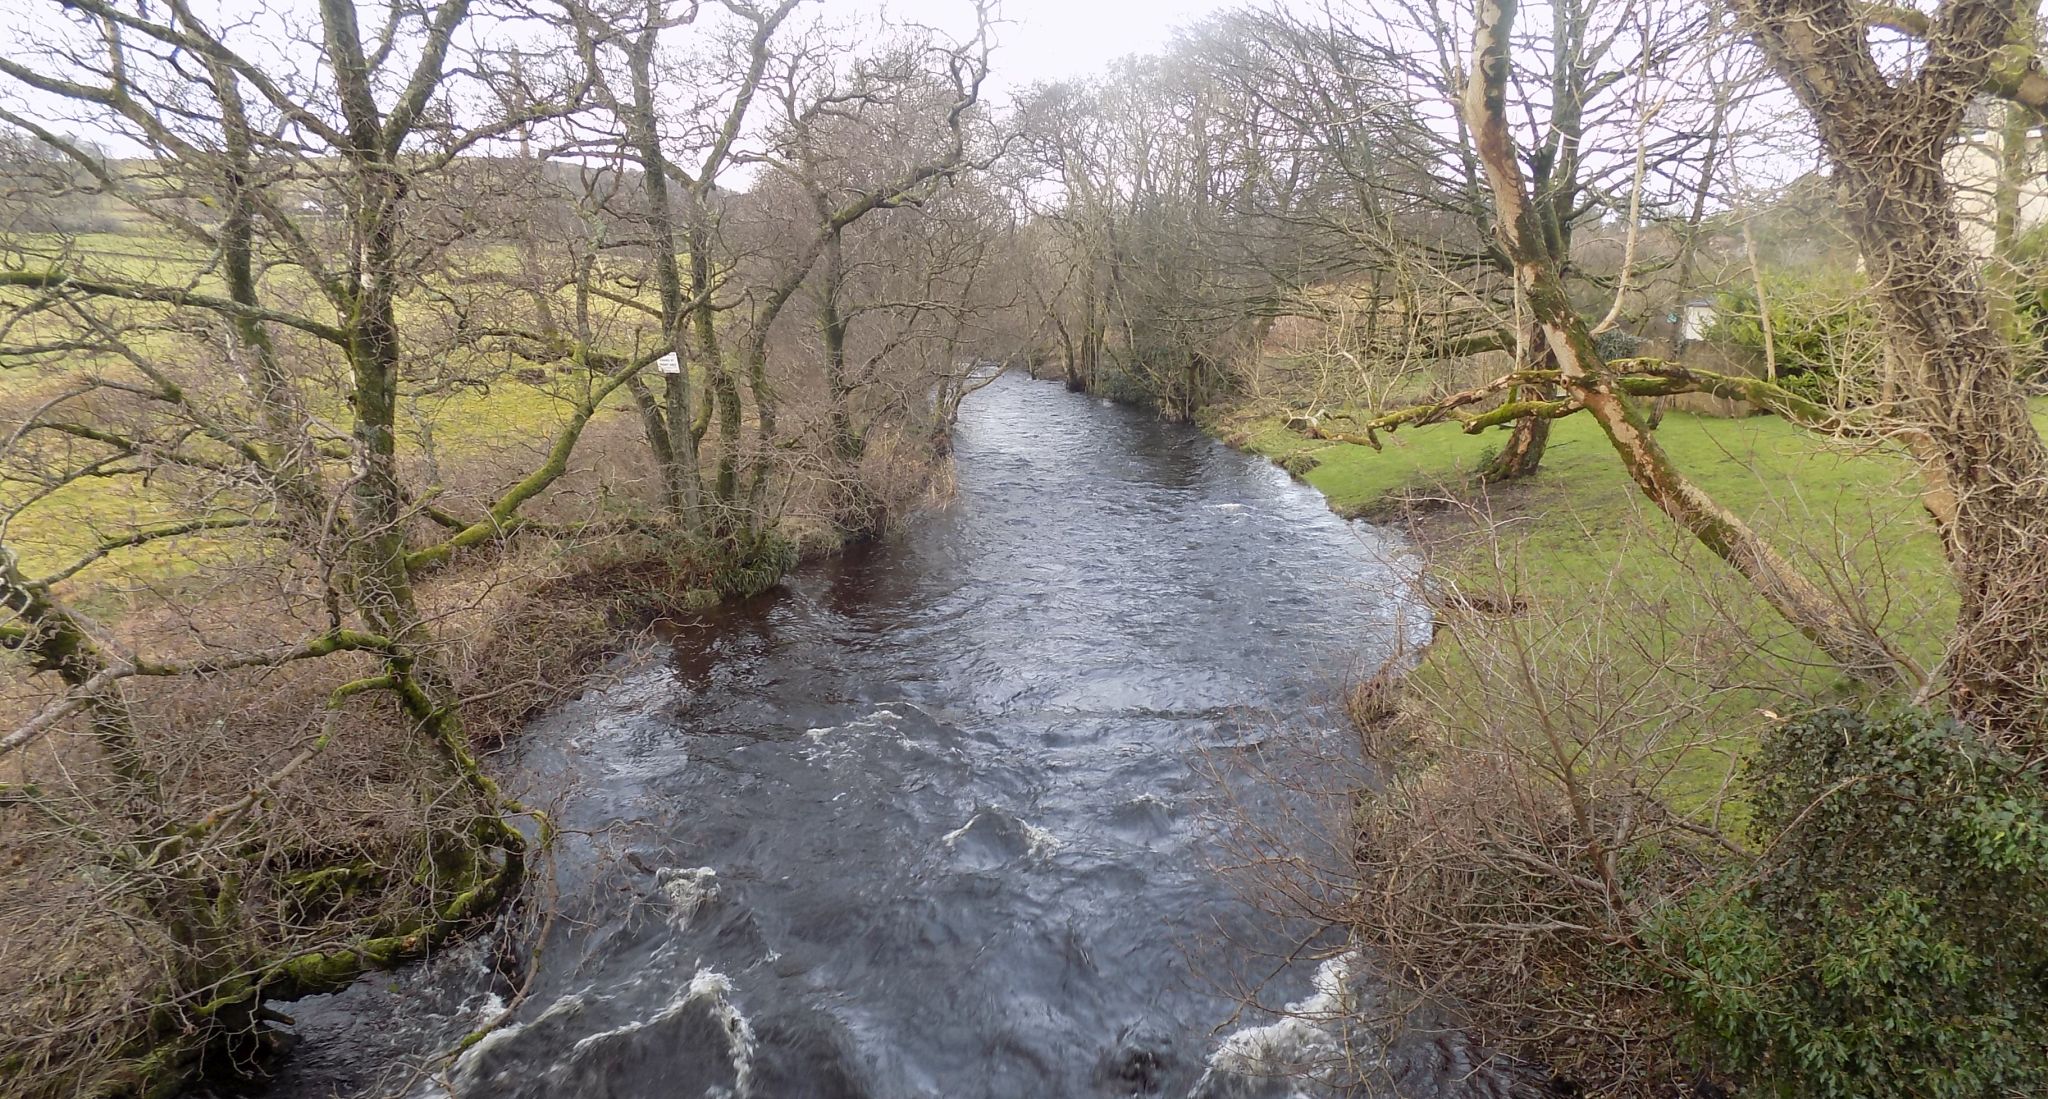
(1579, 540)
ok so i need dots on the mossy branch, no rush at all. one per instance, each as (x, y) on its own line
(503, 519)
(1641, 377)
(144, 537)
(1510, 411)
(1435, 412)
(65, 282)
(1657, 378)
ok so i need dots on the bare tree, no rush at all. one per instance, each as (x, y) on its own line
(293, 215)
(1589, 385)
(889, 133)
(687, 310)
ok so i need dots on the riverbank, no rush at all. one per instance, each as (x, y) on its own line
(1567, 757)
(1579, 543)
(522, 627)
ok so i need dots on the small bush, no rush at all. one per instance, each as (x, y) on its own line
(1616, 344)
(1893, 940)
(1824, 334)
(749, 569)
(1301, 463)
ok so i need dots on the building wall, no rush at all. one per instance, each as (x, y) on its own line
(1973, 168)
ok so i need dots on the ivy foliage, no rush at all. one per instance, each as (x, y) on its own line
(1617, 343)
(2029, 278)
(1893, 940)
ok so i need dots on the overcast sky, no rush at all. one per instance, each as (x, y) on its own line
(1037, 40)
(1051, 39)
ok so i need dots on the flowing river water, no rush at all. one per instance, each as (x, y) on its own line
(933, 821)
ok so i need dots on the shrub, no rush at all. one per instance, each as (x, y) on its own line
(754, 566)
(1824, 334)
(1616, 344)
(1301, 463)
(2029, 286)
(1893, 940)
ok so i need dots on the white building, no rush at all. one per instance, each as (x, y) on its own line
(1697, 318)
(1973, 168)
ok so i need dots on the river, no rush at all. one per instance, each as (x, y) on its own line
(935, 819)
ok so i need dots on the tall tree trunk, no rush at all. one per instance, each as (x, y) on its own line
(832, 336)
(1557, 193)
(855, 510)
(677, 448)
(1991, 459)
(293, 463)
(381, 580)
(1091, 339)
(382, 585)
(703, 313)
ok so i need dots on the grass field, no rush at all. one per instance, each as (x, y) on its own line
(480, 421)
(1579, 540)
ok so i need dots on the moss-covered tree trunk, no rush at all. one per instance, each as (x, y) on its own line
(460, 855)
(671, 437)
(293, 461)
(1522, 455)
(856, 511)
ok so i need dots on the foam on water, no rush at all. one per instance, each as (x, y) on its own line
(881, 720)
(1038, 843)
(710, 991)
(687, 892)
(1043, 843)
(1300, 1048)
(469, 1067)
(714, 989)
(544, 1057)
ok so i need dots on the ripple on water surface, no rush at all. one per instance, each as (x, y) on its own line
(928, 820)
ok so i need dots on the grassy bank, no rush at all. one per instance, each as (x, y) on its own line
(1579, 540)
